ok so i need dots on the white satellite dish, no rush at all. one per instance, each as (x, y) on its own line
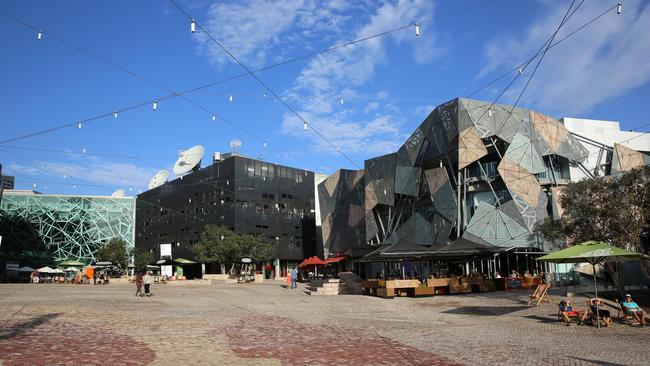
(159, 179)
(188, 160)
(234, 145)
(118, 193)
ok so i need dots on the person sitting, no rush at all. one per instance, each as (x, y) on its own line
(568, 312)
(632, 309)
(514, 274)
(596, 306)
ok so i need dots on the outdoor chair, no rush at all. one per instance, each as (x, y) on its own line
(592, 317)
(623, 316)
(540, 294)
(577, 314)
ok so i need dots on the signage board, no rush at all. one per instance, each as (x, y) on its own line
(246, 260)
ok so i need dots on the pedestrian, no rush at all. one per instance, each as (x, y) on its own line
(288, 278)
(94, 278)
(147, 284)
(294, 278)
(138, 284)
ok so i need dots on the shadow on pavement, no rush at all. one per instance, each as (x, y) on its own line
(485, 310)
(597, 362)
(543, 319)
(22, 328)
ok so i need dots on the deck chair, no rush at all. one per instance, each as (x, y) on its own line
(622, 315)
(592, 317)
(540, 294)
(561, 305)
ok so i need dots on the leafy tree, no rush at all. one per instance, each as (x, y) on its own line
(613, 209)
(141, 258)
(114, 251)
(216, 245)
(219, 244)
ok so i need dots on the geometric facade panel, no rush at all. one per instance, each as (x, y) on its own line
(519, 181)
(494, 226)
(470, 147)
(72, 227)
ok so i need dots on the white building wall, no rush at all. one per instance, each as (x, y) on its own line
(605, 132)
(318, 179)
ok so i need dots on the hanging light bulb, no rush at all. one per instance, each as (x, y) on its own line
(214, 118)
(83, 151)
(193, 26)
(338, 149)
(341, 100)
(230, 98)
(490, 112)
(115, 115)
(79, 125)
(227, 182)
(74, 186)
(155, 105)
(64, 176)
(417, 29)
(619, 8)
(304, 126)
(519, 70)
(130, 189)
(265, 144)
(189, 200)
(34, 185)
(39, 36)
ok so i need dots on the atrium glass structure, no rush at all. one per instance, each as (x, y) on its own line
(70, 227)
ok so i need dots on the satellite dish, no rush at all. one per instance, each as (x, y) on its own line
(189, 160)
(234, 145)
(159, 179)
(118, 193)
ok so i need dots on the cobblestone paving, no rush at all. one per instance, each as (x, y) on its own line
(265, 324)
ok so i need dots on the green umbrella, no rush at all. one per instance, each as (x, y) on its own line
(72, 263)
(184, 261)
(592, 252)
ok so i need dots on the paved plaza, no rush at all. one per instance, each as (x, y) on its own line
(266, 324)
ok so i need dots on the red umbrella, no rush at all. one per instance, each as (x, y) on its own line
(312, 261)
(334, 259)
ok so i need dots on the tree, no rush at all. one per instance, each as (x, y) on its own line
(219, 244)
(216, 245)
(141, 258)
(115, 252)
(615, 210)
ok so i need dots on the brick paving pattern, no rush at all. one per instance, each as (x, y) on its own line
(265, 324)
(44, 341)
(297, 344)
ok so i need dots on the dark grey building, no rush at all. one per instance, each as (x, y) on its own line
(246, 195)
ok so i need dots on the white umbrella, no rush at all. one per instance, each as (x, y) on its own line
(71, 269)
(25, 269)
(58, 270)
(45, 269)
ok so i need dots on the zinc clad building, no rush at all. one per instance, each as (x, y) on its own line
(245, 195)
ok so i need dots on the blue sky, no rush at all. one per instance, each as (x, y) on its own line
(365, 98)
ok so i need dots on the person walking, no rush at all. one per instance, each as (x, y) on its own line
(294, 278)
(138, 284)
(288, 279)
(147, 284)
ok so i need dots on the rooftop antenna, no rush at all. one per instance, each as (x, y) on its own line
(234, 145)
(159, 179)
(189, 160)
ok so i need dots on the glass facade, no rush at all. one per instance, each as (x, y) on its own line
(70, 227)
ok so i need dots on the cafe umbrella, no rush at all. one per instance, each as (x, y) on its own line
(592, 252)
(312, 262)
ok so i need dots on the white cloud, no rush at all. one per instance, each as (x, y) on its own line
(328, 76)
(255, 31)
(598, 64)
(91, 170)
